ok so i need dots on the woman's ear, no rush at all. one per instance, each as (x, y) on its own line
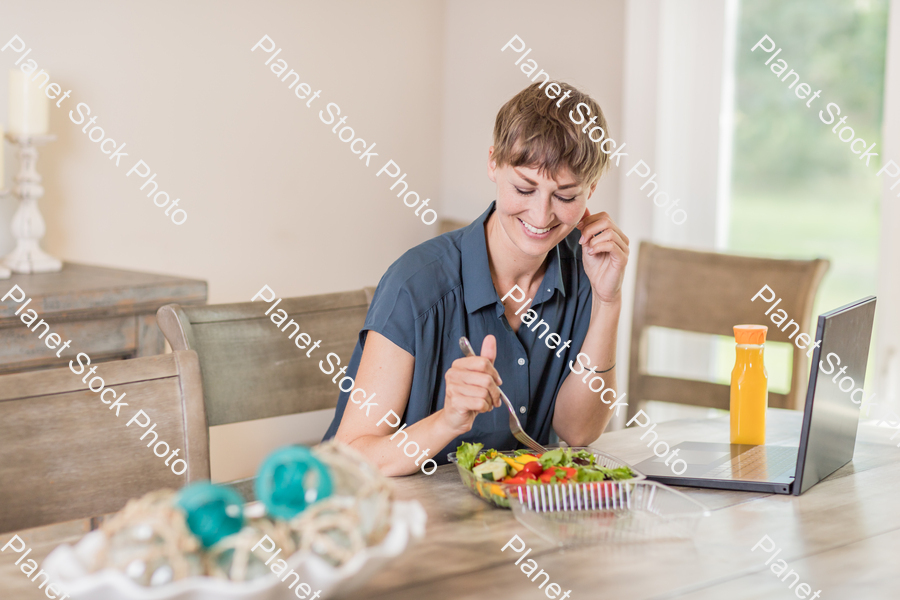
(492, 165)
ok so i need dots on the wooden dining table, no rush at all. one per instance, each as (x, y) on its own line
(842, 536)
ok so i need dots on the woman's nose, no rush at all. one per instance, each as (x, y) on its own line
(542, 214)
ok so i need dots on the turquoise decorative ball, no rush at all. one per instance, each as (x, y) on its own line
(212, 511)
(290, 479)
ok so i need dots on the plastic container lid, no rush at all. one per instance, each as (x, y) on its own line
(750, 334)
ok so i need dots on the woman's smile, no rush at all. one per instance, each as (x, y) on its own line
(538, 233)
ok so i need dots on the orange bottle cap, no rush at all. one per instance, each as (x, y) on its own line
(750, 334)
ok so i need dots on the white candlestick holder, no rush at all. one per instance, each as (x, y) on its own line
(4, 272)
(28, 224)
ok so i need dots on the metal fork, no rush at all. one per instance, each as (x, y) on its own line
(514, 426)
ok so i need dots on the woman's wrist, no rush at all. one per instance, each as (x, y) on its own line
(447, 428)
(600, 341)
(606, 305)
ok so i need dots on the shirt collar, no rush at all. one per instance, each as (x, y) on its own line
(476, 272)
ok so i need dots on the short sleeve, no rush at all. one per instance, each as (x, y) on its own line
(391, 312)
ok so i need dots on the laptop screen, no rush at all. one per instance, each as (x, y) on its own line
(835, 392)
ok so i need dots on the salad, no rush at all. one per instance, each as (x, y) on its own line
(525, 467)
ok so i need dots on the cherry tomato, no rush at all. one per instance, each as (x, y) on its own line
(547, 475)
(526, 475)
(517, 480)
(534, 468)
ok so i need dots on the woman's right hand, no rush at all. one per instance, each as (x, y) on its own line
(472, 387)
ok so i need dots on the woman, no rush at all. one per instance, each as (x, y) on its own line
(537, 238)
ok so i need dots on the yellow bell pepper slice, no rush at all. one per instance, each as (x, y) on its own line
(526, 458)
(515, 465)
(496, 490)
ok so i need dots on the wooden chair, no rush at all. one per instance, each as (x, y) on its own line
(447, 225)
(64, 454)
(708, 292)
(251, 369)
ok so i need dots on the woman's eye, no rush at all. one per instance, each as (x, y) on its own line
(530, 192)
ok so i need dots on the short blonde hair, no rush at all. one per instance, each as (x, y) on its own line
(532, 131)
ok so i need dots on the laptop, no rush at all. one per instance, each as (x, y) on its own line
(830, 421)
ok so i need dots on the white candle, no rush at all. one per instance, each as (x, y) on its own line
(28, 108)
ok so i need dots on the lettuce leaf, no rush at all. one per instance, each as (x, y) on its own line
(583, 457)
(466, 454)
(555, 458)
(619, 473)
(602, 474)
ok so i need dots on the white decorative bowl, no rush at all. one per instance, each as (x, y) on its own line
(66, 565)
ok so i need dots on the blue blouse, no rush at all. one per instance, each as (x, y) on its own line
(441, 290)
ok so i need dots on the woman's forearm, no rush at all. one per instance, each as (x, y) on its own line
(580, 415)
(431, 435)
(387, 369)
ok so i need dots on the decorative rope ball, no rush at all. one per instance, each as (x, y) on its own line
(289, 480)
(233, 556)
(354, 478)
(212, 512)
(149, 541)
(330, 529)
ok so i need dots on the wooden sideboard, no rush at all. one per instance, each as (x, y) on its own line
(109, 314)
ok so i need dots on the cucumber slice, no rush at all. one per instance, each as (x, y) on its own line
(492, 470)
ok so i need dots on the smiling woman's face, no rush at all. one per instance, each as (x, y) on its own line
(534, 211)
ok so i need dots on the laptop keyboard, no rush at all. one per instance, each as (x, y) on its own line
(757, 464)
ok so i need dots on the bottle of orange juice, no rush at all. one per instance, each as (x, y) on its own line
(749, 386)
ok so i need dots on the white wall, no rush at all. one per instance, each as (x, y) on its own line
(675, 96)
(689, 108)
(639, 99)
(887, 323)
(577, 42)
(272, 196)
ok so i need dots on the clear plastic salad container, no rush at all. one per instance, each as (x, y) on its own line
(615, 511)
(499, 494)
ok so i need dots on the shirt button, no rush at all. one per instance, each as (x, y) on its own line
(521, 361)
(522, 409)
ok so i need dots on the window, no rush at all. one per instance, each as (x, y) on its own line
(797, 190)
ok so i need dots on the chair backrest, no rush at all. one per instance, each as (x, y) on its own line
(447, 225)
(708, 292)
(251, 367)
(64, 454)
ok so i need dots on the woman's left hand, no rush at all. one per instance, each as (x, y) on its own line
(604, 251)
